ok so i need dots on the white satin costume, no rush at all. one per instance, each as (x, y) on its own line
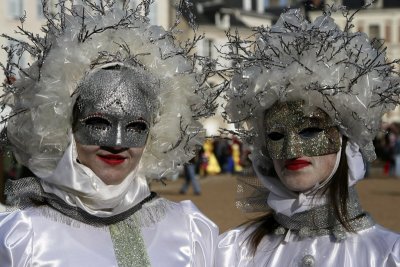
(371, 245)
(173, 234)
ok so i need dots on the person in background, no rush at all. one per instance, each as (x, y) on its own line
(222, 151)
(212, 167)
(190, 178)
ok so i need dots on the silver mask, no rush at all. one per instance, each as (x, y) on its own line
(292, 133)
(114, 107)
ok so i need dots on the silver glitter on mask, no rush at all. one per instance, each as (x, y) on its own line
(114, 107)
(291, 132)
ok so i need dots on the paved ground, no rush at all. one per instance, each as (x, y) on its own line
(379, 195)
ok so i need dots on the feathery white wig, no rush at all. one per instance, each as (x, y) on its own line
(78, 39)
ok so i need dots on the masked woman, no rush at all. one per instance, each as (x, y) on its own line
(309, 97)
(108, 104)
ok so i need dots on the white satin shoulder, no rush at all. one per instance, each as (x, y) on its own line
(184, 237)
(375, 246)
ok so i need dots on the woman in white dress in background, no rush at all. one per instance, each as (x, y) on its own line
(108, 104)
(309, 97)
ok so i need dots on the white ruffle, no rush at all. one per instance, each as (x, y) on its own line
(287, 202)
(79, 186)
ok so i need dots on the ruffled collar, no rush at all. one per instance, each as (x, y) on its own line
(321, 220)
(288, 203)
(78, 186)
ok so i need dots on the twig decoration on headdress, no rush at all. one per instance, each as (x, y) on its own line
(80, 38)
(339, 71)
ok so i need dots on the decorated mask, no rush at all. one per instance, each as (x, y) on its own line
(113, 108)
(293, 131)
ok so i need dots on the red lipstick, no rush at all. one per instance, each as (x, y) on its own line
(112, 159)
(296, 164)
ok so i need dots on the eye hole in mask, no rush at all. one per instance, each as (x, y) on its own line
(306, 133)
(97, 123)
(310, 132)
(137, 126)
(275, 136)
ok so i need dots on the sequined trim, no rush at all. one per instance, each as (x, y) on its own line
(321, 220)
(129, 247)
(27, 192)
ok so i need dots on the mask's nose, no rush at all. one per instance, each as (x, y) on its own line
(292, 146)
(118, 137)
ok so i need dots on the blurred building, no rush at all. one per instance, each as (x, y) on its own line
(12, 10)
(381, 22)
(214, 18)
(10, 13)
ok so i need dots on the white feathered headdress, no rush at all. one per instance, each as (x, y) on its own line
(78, 39)
(339, 71)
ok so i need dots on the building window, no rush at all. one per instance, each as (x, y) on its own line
(15, 8)
(39, 9)
(375, 35)
(388, 32)
(353, 3)
(374, 31)
(399, 32)
(207, 46)
(361, 26)
(254, 5)
(236, 3)
(391, 3)
(20, 60)
(274, 3)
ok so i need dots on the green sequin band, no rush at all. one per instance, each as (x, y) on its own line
(129, 246)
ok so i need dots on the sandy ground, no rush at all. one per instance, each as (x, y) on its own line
(379, 195)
